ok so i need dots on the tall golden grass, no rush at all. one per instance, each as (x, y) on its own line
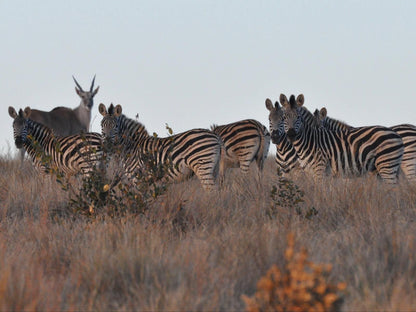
(199, 251)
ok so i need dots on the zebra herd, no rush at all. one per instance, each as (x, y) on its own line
(315, 142)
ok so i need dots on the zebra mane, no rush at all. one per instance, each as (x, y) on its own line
(213, 127)
(133, 126)
(335, 124)
(308, 117)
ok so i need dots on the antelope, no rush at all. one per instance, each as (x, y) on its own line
(64, 121)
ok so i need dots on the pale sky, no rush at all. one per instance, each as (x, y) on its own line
(192, 63)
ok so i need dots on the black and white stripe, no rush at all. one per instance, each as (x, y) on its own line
(196, 151)
(245, 141)
(352, 152)
(79, 153)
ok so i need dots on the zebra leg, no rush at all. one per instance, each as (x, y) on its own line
(22, 155)
(207, 172)
(408, 167)
(388, 172)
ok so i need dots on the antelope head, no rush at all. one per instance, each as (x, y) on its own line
(87, 97)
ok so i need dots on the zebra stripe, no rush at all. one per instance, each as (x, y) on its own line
(406, 131)
(79, 153)
(196, 151)
(354, 152)
(245, 141)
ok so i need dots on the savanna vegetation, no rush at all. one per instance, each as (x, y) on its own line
(260, 242)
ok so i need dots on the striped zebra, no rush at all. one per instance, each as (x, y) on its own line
(406, 131)
(286, 155)
(79, 153)
(196, 151)
(354, 152)
(245, 141)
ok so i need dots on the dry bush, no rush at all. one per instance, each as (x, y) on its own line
(195, 250)
(300, 286)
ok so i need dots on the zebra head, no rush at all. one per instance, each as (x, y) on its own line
(109, 123)
(87, 97)
(321, 117)
(20, 125)
(292, 115)
(275, 121)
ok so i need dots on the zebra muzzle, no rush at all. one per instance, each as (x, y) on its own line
(291, 133)
(19, 143)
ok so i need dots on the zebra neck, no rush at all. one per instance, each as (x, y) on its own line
(41, 139)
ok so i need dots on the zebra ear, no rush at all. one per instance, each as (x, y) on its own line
(27, 112)
(117, 110)
(323, 112)
(300, 100)
(102, 109)
(12, 112)
(269, 104)
(283, 100)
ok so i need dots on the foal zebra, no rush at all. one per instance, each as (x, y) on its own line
(79, 153)
(196, 151)
(406, 131)
(245, 141)
(353, 152)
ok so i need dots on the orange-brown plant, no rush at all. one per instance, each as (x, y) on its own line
(301, 286)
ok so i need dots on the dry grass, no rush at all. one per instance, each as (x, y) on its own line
(194, 250)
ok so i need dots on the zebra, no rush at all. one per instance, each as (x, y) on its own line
(196, 151)
(244, 141)
(406, 131)
(354, 152)
(66, 121)
(286, 156)
(70, 155)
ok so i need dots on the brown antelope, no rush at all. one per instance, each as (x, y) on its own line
(65, 121)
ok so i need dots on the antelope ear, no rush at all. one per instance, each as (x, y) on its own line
(117, 110)
(102, 109)
(78, 91)
(300, 100)
(283, 100)
(323, 112)
(269, 104)
(27, 112)
(95, 91)
(12, 112)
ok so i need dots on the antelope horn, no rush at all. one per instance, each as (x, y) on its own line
(76, 82)
(92, 84)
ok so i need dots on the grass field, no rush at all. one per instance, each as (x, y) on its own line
(199, 251)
